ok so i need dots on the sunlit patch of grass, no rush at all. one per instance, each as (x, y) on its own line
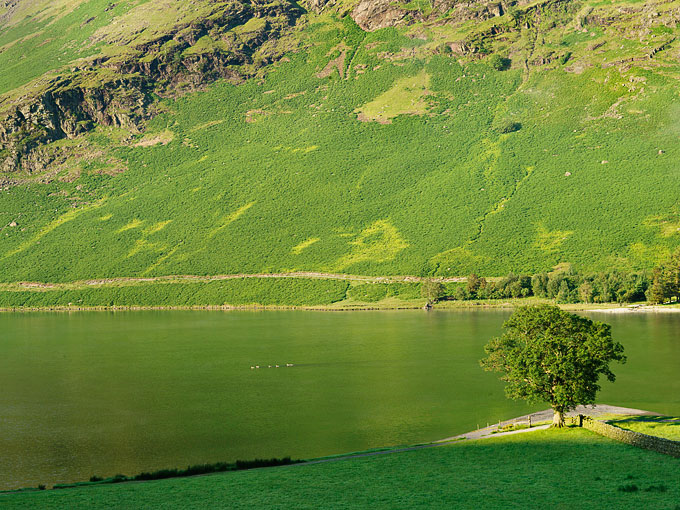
(406, 97)
(136, 223)
(667, 427)
(156, 227)
(551, 240)
(297, 249)
(379, 242)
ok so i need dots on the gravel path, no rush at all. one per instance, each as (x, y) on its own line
(490, 431)
(545, 415)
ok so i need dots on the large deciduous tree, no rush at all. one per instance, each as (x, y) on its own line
(546, 354)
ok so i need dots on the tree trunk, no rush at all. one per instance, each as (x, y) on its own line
(558, 419)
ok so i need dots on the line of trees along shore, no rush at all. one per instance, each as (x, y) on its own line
(564, 287)
(570, 286)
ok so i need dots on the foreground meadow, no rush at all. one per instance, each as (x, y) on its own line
(570, 468)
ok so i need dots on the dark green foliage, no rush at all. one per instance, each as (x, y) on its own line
(629, 488)
(658, 292)
(499, 63)
(562, 286)
(444, 49)
(564, 293)
(258, 463)
(198, 469)
(474, 283)
(605, 287)
(432, 290)
(539, 285)
(508, 126)
(461, 293)
(546, 354)
(666, 281)
(217, 467)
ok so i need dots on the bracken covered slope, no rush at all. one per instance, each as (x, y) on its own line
(372, 137)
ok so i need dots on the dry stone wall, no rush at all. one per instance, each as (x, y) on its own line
(657, 444)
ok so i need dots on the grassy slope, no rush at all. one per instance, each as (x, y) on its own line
(278, 174)
(572, 468)
(234, 292)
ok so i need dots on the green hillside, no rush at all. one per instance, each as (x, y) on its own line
(243, 138)
(569, 468)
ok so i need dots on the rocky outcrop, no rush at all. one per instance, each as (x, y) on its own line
(87, 96)
(8, 7)
(66, 110)
(317, 5)
(372, 15)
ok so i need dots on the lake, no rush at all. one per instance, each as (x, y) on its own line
(123, 392)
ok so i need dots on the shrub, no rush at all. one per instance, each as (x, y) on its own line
(508, 126)
(499, 63)
(444, 49)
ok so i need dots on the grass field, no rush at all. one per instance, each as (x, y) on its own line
(571, 468)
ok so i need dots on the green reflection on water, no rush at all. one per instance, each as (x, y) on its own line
(106, 393)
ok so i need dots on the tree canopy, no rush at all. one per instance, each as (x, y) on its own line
(432, 290)
(666, 281)
(546, 354)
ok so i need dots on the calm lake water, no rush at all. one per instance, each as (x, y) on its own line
(124, 392)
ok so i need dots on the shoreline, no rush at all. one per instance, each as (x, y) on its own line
(346, 303)
(610, 308)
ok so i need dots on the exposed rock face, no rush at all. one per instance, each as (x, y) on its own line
(372, 15)
(9, 7)
(71, 105)
(65, 111)
(317, 5)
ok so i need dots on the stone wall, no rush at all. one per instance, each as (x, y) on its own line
(657, 444)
